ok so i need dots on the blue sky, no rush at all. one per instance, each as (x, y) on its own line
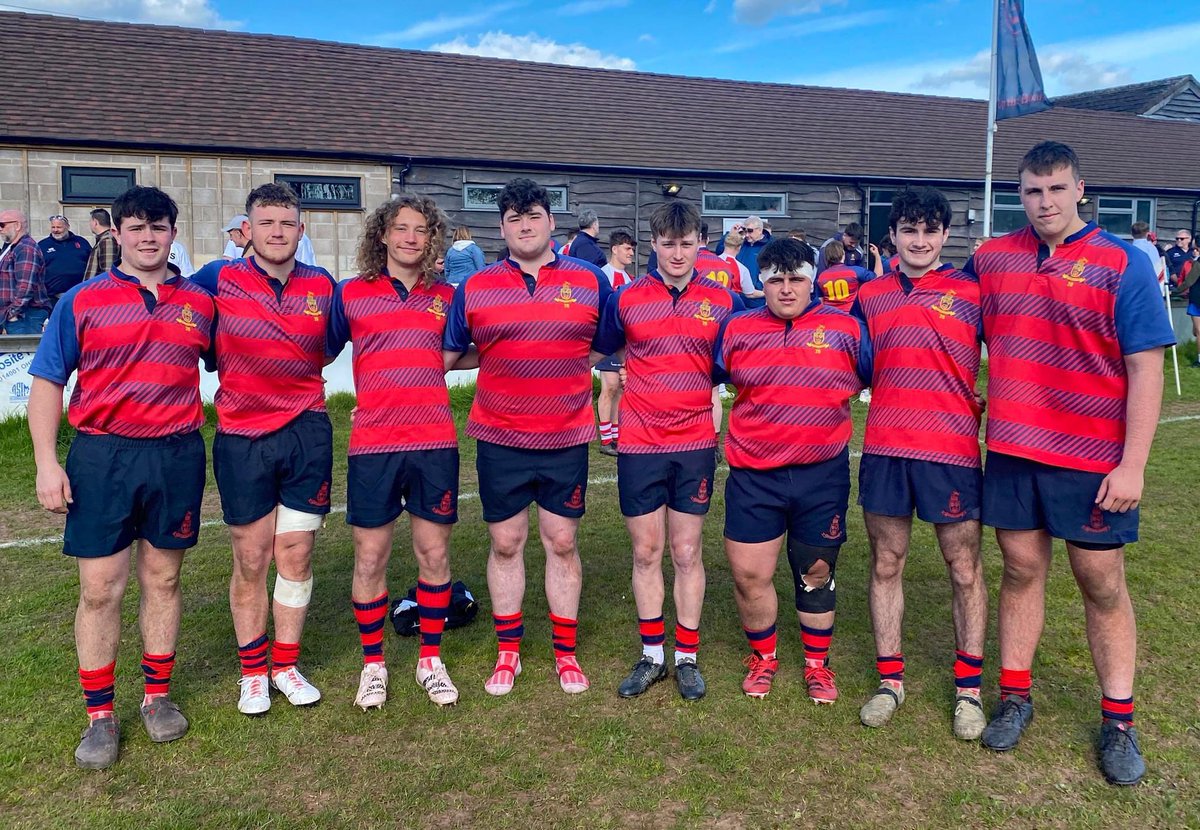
(926, 46)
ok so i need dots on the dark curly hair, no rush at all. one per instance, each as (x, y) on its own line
(372, 250)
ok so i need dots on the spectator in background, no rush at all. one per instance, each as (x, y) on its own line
(464, 257)
(305, 253)
(754, 238)
(179, 261)
(66, 256)
(751, 296)
(586, 245)
(801, 236)
(1179, 253)
(1140, 231)
(622, 250)
(565, 250)
(850, 239)
(839, 282)
(238, 238)
(105, 251)
(23, 299)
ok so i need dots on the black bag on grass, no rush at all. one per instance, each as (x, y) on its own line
(462, 611)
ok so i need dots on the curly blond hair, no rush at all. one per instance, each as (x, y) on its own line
(372, 250)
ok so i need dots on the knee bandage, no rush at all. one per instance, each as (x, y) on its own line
(293, 594)
(802, 558)
(287, 520)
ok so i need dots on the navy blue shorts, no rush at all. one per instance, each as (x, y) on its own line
(133, 488)
(940, 493)
(808, 501)
(608, 364)
(1019, 494)
(512, 478)
(683, 481)
(382, 485)
(292, 466)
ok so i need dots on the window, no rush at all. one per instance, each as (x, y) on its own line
(1117, 214)
(325, 192)
(879, 207)
(483, 197)
(744, 204)
(95, 185)
(1008, 214)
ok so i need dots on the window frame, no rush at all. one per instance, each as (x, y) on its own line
(765, 214)
(553, 190)
(355, 204)
(71, 195)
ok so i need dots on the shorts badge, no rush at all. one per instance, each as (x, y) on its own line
(576, 500)
(704, 315)
(311, 309)
(446, 505)
(835, 528)
(564, 296)
(944, 305)
(818, 340)
(701, 496)
(954, 508)
(321, 499)
(186, 320)
(437, 308)
(186, 531)
(1075, 275)
(1096, 524)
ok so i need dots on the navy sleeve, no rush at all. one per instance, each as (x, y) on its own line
(866, 355)
(738, 305)
(864, 275)
(457, 337)
(969, 267)
(720, 372)
(610, 334)
(337, 333)
(58, 353)
(1140, 313)
(206, 277)
(856, 311)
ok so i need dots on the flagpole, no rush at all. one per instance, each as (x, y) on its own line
(991, 126)
(1166, 293)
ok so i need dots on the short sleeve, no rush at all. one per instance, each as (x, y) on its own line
(208, 275)
(58, 353)
(457, 336)
(1140, 314)
(866, 354)
(337, 333)
(720, 372)
(610, 334)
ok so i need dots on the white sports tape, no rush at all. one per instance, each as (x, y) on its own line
(293, 594)
(287, 520)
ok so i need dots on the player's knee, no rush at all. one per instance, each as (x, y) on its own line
(647, 555)
(965, 571)
(887, 563)
(560, 544)
(1104, 591)
(508, 546)
(813, 571)
(1022, 572)
(370, 562)
(101, 594)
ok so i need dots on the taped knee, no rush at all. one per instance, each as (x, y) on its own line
(813, 571)
(287, 520)
(293, 594)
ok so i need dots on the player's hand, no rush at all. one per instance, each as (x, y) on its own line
(54, 489)
(622, 374)
(980, 400)
(1121, 490)
(873, 248)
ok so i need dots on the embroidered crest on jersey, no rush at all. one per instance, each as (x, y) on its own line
(576, 500)
(1075, 275)
(446, 505)
(954, 508)
(564, 296)
(311, 308)
(186, 531)
(701, 496)
(944, 305)
(437, 308)
(818, 340)
(835, 528)
(185, 319)
(705, 315)
(1096, 524)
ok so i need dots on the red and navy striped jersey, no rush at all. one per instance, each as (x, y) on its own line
(668, 337)
(534, 335)
(794, 381)
(718, 270)
(138, 357)
(399, 376)
(1058, 326)
(269, 344)
(840, 284)
(925, 337)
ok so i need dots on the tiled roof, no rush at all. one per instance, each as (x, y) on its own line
(187, 89)
(1132, 98)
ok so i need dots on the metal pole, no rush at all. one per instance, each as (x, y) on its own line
(1166, 293)
(991, 127)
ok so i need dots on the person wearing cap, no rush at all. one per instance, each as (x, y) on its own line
(237, 228)
(796, 361)
(66, 257)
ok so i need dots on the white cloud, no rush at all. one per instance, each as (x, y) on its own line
(532, 47)
(646, 38)
(440, 25)
(711, 7)
(581, 7)
(198, 13)
(757, 12)
(812, 27)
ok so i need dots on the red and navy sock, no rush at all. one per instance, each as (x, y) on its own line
(510, 628)
(98, 690)
(816, 644)
(654, 634)
(1015, 682)
(687, 643)
(1119, 710)
(563, 631)
(890, 667)
(371, 616)
(968, 672)
(762, 643)
(156, 672)
(433, 604)
(284, 656)
(253, 656)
